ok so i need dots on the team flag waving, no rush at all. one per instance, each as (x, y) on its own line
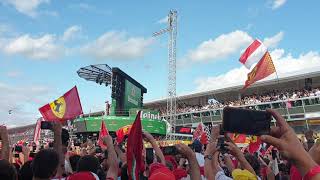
(66, 107)
(257, 53)
(253, 53)
(134, 149)
(103, 132)
(255, 144)
(262, 70)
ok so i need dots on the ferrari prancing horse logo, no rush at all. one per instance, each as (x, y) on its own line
(58, 107)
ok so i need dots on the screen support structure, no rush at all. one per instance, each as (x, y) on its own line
(172, 97)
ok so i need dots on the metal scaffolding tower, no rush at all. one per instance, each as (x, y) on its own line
(171, 100)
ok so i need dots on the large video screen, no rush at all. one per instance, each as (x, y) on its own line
(132, 96)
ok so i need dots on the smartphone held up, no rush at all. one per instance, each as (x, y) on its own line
(246, 121)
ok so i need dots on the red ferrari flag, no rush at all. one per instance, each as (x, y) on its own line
(66, 107)
(263, 69)
(134, 149)
(103, 132)
(255, 144)
(122, 132)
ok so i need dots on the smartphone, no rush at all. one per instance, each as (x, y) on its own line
(16, 155)
(246, 121)
(221, 145)
(149, 155)
(46, 125)
(18, 148)
(170, 150)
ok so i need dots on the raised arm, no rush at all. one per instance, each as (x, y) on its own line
(210, 168)
(5, 150)
(120, 154)
(236, 152)
(112, 158)
(191, 156)
(155, 147)
(284, 139)
(57, 145)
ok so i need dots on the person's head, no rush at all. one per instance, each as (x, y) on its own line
(45, 164)
(254, 162)
(25, 172)
(74, 161)
(7, 170)
(88, 163)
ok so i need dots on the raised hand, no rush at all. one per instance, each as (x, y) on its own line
(286, 141)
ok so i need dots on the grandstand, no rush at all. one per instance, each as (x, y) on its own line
(295, 97)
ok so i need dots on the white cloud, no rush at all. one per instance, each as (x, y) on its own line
(24, 102)
(273, 41)
(163, 20)
(71, 33)
(116, 45)
(43, 47)
(220, 47)
(285, 65)
(27, 7)
(224, 46)
(275, 4)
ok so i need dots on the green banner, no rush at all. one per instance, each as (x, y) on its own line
(132, 96)
(113, 123)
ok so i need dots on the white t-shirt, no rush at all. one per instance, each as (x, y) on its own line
(200, 159)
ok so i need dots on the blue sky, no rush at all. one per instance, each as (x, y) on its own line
(44, 42)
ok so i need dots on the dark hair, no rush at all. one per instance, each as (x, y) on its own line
(254, 162)
(7, 170)
(88, 163)
(25, 172)
(45, 163)
(74, 161)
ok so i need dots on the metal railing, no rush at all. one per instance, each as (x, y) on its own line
(299, 108)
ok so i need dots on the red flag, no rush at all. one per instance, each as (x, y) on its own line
(239, 138)
(134, 149)
(67, 107)
(255, 144)
(122, 132)
(103, 132)
(262, 70)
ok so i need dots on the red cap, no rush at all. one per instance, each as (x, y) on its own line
(160, 172)
(83, 176)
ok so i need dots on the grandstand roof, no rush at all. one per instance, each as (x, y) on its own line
(294, 80)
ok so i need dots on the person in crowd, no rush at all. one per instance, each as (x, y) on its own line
(45, 164)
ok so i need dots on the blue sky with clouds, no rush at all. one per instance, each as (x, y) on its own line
(44, 42)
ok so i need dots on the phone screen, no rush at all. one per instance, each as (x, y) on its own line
(245, 121)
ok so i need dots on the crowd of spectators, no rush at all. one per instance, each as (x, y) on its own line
(215, 160)
(248, 100)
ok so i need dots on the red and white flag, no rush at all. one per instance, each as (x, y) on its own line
(253, 53)
(198, 132)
